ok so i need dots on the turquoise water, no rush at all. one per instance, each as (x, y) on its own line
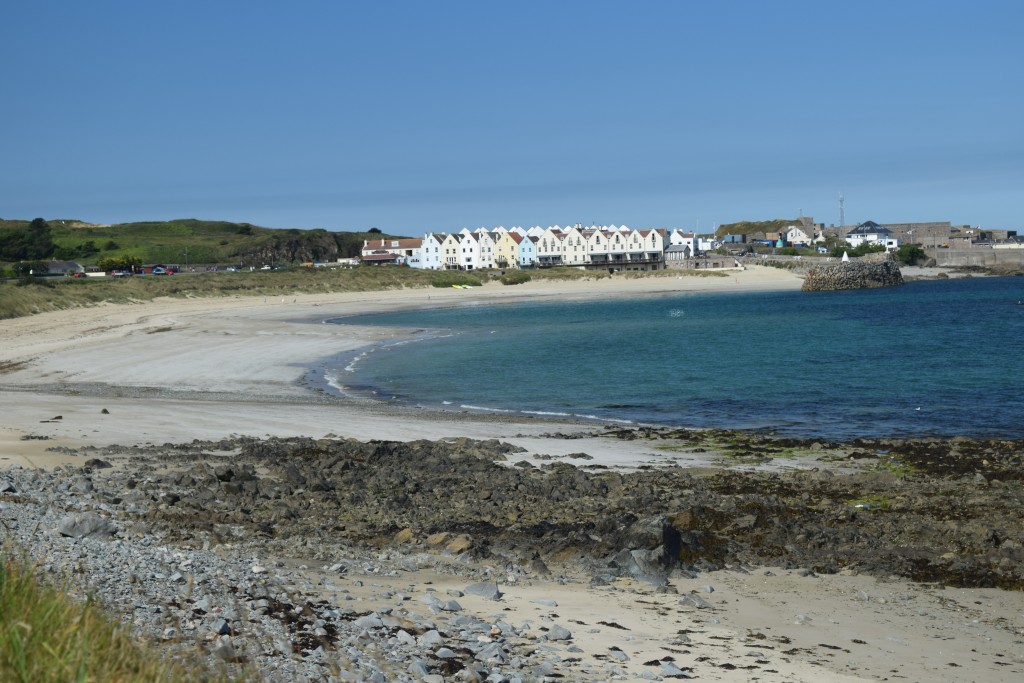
(930, 358)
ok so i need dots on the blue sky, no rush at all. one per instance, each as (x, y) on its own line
(415, 116)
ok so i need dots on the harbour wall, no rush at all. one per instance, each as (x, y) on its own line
(862, 273)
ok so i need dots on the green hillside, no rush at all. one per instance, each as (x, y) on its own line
(749, 227)
(176, 241)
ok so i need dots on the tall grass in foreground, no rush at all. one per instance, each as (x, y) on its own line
(45, 636)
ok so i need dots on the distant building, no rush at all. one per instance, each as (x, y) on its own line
(63, 268)
(392, 251)
(872, 233)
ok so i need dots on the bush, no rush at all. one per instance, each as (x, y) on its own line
(27, 281)
(516, 277)
(27, 268)
(452, 278)
(909, 254)
(862, 249)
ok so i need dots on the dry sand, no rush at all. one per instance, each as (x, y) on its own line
(183, 369)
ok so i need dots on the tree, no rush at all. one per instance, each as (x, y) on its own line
(374, 231)
(909, 254)
(26, 268)
(39, 243)
(109, 263)
(32, 242)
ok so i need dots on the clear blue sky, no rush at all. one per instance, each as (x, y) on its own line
(415, 116)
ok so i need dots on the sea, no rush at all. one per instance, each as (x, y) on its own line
(936, 358)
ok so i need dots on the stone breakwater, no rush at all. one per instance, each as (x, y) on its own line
(256, 550)
(858, 274)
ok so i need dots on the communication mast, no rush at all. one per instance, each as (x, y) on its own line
(842, 211)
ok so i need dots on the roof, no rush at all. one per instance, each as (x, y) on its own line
(870, 228)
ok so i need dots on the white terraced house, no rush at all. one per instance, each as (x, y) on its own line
(549, 247)
(574, 247)
(450, 252)
(617, 247)
(430, 252)
(486, 242)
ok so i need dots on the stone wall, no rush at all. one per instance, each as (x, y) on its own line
(862, 273)
(978, 257)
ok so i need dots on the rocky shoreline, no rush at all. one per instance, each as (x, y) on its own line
(253, 549)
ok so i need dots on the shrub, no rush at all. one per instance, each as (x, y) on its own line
(862, 249)
(451, 278)
(909, 254)
(28, 280)
(516, 277)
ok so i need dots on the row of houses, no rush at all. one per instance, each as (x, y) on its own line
(808, 234)
(616, 247)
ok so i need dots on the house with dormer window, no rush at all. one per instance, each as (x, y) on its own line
(872, 233)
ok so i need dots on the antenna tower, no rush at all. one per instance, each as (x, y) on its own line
(842, 211)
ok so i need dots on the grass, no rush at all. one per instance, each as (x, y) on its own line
(896, 466)
(47, 636)
(63, 293)
(871, 502)
(29, 296)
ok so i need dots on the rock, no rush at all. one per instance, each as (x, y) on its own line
(557, 632)
(618, 655)
(863, 273)
(695, 600)
(85, 525)
(670, 670)
(368, 621)
(430, 639)
(459, 544)
(487, 590)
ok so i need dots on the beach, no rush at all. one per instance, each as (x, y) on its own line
(176, 370)
(205, 368)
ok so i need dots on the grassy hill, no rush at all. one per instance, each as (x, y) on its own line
(185, 240)
(749, 227)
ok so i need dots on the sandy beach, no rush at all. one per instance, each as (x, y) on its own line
(175, 370)
(206, 368)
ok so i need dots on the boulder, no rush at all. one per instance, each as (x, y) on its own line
(85, 525)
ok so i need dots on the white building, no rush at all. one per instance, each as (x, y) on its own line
(430, 252)
(873, 233)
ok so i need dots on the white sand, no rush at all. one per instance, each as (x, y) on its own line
(235, 367)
